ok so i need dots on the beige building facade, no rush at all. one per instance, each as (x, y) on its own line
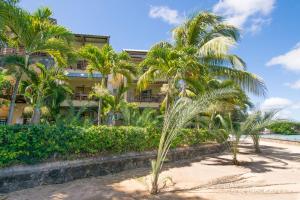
(81, 82)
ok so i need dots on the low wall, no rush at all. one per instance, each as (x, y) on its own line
(21, 177)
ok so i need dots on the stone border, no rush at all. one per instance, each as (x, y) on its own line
(22, 177)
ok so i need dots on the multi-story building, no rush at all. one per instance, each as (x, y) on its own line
(81, 82)
(150, 97)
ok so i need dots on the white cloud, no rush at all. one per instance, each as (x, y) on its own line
(286, 107)
(167, 14)
(253, 13)
(275, 103)
(289, 60)
(294, 85)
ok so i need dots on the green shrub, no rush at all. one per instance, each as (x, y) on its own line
(287, 128)
(31, 144)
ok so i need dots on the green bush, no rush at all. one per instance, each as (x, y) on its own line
(31, 144)
(287, 128)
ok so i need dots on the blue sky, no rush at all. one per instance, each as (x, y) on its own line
(270, 42)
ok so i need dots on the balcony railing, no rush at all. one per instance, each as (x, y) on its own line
(80, 96)
(18, 51)
(152, 98)
(11, 51)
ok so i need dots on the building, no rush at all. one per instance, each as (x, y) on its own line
(152, 97)
(79, 80)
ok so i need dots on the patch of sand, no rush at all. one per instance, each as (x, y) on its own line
(274, 174)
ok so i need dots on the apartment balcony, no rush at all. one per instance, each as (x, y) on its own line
(11, 51)
(149, 99)
(80, 97)
(79, 100)
(19, 52)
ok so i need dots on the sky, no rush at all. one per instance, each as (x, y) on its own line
(270, 29)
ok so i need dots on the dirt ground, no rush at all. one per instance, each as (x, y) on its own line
(273, 174)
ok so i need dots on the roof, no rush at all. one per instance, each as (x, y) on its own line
(92, 36)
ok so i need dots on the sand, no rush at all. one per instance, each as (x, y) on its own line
(273, 174)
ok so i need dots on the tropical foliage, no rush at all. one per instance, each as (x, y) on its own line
(285, 127)
(31, 34)
(107, 62)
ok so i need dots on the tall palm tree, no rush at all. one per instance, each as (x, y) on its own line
(212, 39)
(162, 62)
(107, 62)
(41, 87)
(33, 33)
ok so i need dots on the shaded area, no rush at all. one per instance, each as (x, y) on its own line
(211, 177)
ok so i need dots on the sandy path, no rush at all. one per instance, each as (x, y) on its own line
(274, 174)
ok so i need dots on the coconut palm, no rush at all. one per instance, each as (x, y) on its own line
(41, 87)
(107, 62)
(164, 62)
(31, 34)
(212, 40)
(176, 117)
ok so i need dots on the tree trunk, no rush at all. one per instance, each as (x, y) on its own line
(234, 152)
(256, 146)
(154, 188)
(13, 100)
(36, 117)
(99, 111)
(154, 185)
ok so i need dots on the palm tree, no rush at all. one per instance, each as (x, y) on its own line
(258, 121)
(107, 62)
(211, 39)
(41, 87)
(33, 33)
(176, 117)
(99, 92)
(162, 62)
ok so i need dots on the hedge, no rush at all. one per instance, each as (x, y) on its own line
(28, 144)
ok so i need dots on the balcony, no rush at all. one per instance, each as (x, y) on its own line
(19, 52)
(80, 97)
(148, 99)
(12, 51)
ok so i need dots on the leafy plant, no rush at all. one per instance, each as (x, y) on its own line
(178, 116)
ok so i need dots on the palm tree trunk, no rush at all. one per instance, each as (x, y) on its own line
(235, 152)
(256, 144)
(36, 117)
(13, 100)
(154, 185)
(99, 111)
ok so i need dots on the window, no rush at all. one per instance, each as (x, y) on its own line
(146, 93)
(81, 64)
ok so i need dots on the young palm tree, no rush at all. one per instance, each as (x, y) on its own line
(257, 121)
(33, 33)
(235, 130)
(176, 117)
(99, 92)
(244, 125)
(41, 86)
(107, 61)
